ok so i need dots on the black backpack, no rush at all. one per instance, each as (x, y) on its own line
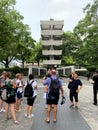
(54, 88)
(28, 91)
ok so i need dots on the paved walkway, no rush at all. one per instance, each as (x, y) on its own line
(86, 118)
(69, 119)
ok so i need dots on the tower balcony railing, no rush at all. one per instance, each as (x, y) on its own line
(52, 52)
(51, 32)
(51, 62)
(52, 42)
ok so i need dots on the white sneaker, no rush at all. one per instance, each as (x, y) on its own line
(3, 110)
(30, 116)
(26, 115)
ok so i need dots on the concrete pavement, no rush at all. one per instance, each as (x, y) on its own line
(87, 112)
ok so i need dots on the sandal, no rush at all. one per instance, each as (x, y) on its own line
(16, 122)
(47, 120)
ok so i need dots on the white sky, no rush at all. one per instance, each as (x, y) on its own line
(71, 11)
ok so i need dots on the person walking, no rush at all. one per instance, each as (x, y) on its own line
(2, 84)
(95, 87)
(53, 94)
(75, 85)
(30, 100)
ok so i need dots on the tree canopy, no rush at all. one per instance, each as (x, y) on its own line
(82, 44)
(14, 35)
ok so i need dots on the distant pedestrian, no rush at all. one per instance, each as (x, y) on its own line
(88, 76)
(30, 100)
(54, 84)
(95, 87)
(75, 85)
(2, 84)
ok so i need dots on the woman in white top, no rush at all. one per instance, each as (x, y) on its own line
(30, 101)
(19, 92)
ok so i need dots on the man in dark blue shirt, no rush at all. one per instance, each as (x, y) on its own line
(75, 87)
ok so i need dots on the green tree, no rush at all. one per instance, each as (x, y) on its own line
(87, 31)
(37, 53)
(69, 48)
(13, 33)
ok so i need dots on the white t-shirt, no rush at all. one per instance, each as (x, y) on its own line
(20, 85)
(34, 85)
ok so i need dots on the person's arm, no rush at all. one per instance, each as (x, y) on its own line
(14, 85)
(62, 91)
(34, 85)
(79, 88)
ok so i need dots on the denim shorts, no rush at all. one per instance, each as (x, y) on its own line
(19, 95)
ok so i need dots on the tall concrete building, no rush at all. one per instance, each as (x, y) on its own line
(51, 33)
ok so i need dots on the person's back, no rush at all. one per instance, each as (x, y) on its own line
(95, 79)
(51, 98)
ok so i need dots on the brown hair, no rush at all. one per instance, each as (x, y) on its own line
(8, 75)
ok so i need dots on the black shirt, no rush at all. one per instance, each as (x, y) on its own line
(95, 79)
(74, 84)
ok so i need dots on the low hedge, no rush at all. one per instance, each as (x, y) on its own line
(15, 70)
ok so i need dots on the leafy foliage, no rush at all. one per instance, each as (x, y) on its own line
(13, 33)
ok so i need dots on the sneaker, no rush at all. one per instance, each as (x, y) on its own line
(3, 110)
(30, 116)
(26, 115)
(95, 104)
(71, 106)
(76, 107)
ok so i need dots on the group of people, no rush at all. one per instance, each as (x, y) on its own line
(53, 85)
(15, 90)
(75, 85)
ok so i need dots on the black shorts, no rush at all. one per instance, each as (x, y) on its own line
(73, 95)
(30, 101)
(11, 99)
(52, 101)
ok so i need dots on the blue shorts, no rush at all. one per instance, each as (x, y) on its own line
(19, 95)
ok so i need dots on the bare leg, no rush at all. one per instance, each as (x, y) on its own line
(55, 112)
(1, 104)
(13, 112)
(7, 111)
(27, 109)
(30, 110)
(76, 103)
(48, 112)
(17, 104)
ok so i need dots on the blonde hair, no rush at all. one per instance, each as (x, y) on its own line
(17, 75)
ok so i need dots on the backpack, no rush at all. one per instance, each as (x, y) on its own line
(7, 91)
(54, 88)
(28, 91)
(4, 94)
